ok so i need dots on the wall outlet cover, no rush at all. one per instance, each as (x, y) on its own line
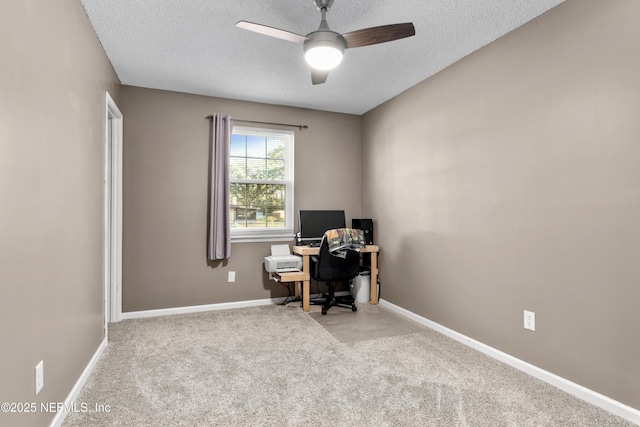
(39, 376)
(529, 320)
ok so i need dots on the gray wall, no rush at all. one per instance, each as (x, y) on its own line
(509, 181)
(166, 168)
(53, 78)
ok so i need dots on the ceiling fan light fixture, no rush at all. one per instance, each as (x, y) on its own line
(323, 57)
(324, 49)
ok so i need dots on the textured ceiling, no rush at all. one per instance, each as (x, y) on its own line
(193, 46)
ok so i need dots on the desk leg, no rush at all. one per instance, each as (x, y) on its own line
(374, 278)
(305, 283)
(305, 295)
(296, 290)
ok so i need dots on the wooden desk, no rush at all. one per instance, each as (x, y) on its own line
(303, 277)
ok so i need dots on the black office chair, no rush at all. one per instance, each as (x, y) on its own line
(334, 269)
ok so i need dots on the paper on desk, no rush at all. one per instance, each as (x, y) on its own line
(280, 250)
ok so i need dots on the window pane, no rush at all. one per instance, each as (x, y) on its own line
(256, 146)
(256, 168)
(237, 196)
(254, 194)
(238, 145)
(258, 217)
(275, 148)
(238, 217)
(275, 216)
(276, 206)
(275, 169)
(277, 195)
(238, 166)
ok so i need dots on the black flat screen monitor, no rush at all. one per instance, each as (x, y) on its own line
(313, 224)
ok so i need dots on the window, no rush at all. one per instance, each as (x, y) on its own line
(261, 193)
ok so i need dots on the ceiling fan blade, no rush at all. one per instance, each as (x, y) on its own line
(319, 76)
(272, 32)
(381, 34)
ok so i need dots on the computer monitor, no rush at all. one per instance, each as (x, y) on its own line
(314, 223)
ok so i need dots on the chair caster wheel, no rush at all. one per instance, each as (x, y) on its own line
(354, 308)
(324, 310)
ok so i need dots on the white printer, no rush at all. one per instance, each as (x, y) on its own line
(281, 260)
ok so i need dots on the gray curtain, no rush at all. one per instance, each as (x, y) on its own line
(219, 227)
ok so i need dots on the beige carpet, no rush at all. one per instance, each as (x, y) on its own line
(278, 366)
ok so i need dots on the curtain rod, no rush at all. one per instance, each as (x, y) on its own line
(266, 123)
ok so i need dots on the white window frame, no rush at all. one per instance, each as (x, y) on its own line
(271, 234)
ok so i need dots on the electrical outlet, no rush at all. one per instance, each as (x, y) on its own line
(39, 376)
(529, 320)
(232, 276)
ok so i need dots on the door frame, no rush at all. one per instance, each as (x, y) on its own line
(113, 213)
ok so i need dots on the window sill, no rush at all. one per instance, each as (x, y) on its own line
(263, 237)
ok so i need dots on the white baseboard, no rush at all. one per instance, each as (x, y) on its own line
(595, 398)
(199, 308)
(75, 391)
(210, 307)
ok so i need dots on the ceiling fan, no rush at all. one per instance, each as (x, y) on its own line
(324, 48)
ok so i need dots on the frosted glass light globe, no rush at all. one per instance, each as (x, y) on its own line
(323, 57)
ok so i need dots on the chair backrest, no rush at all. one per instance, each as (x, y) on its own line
(332, 268)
